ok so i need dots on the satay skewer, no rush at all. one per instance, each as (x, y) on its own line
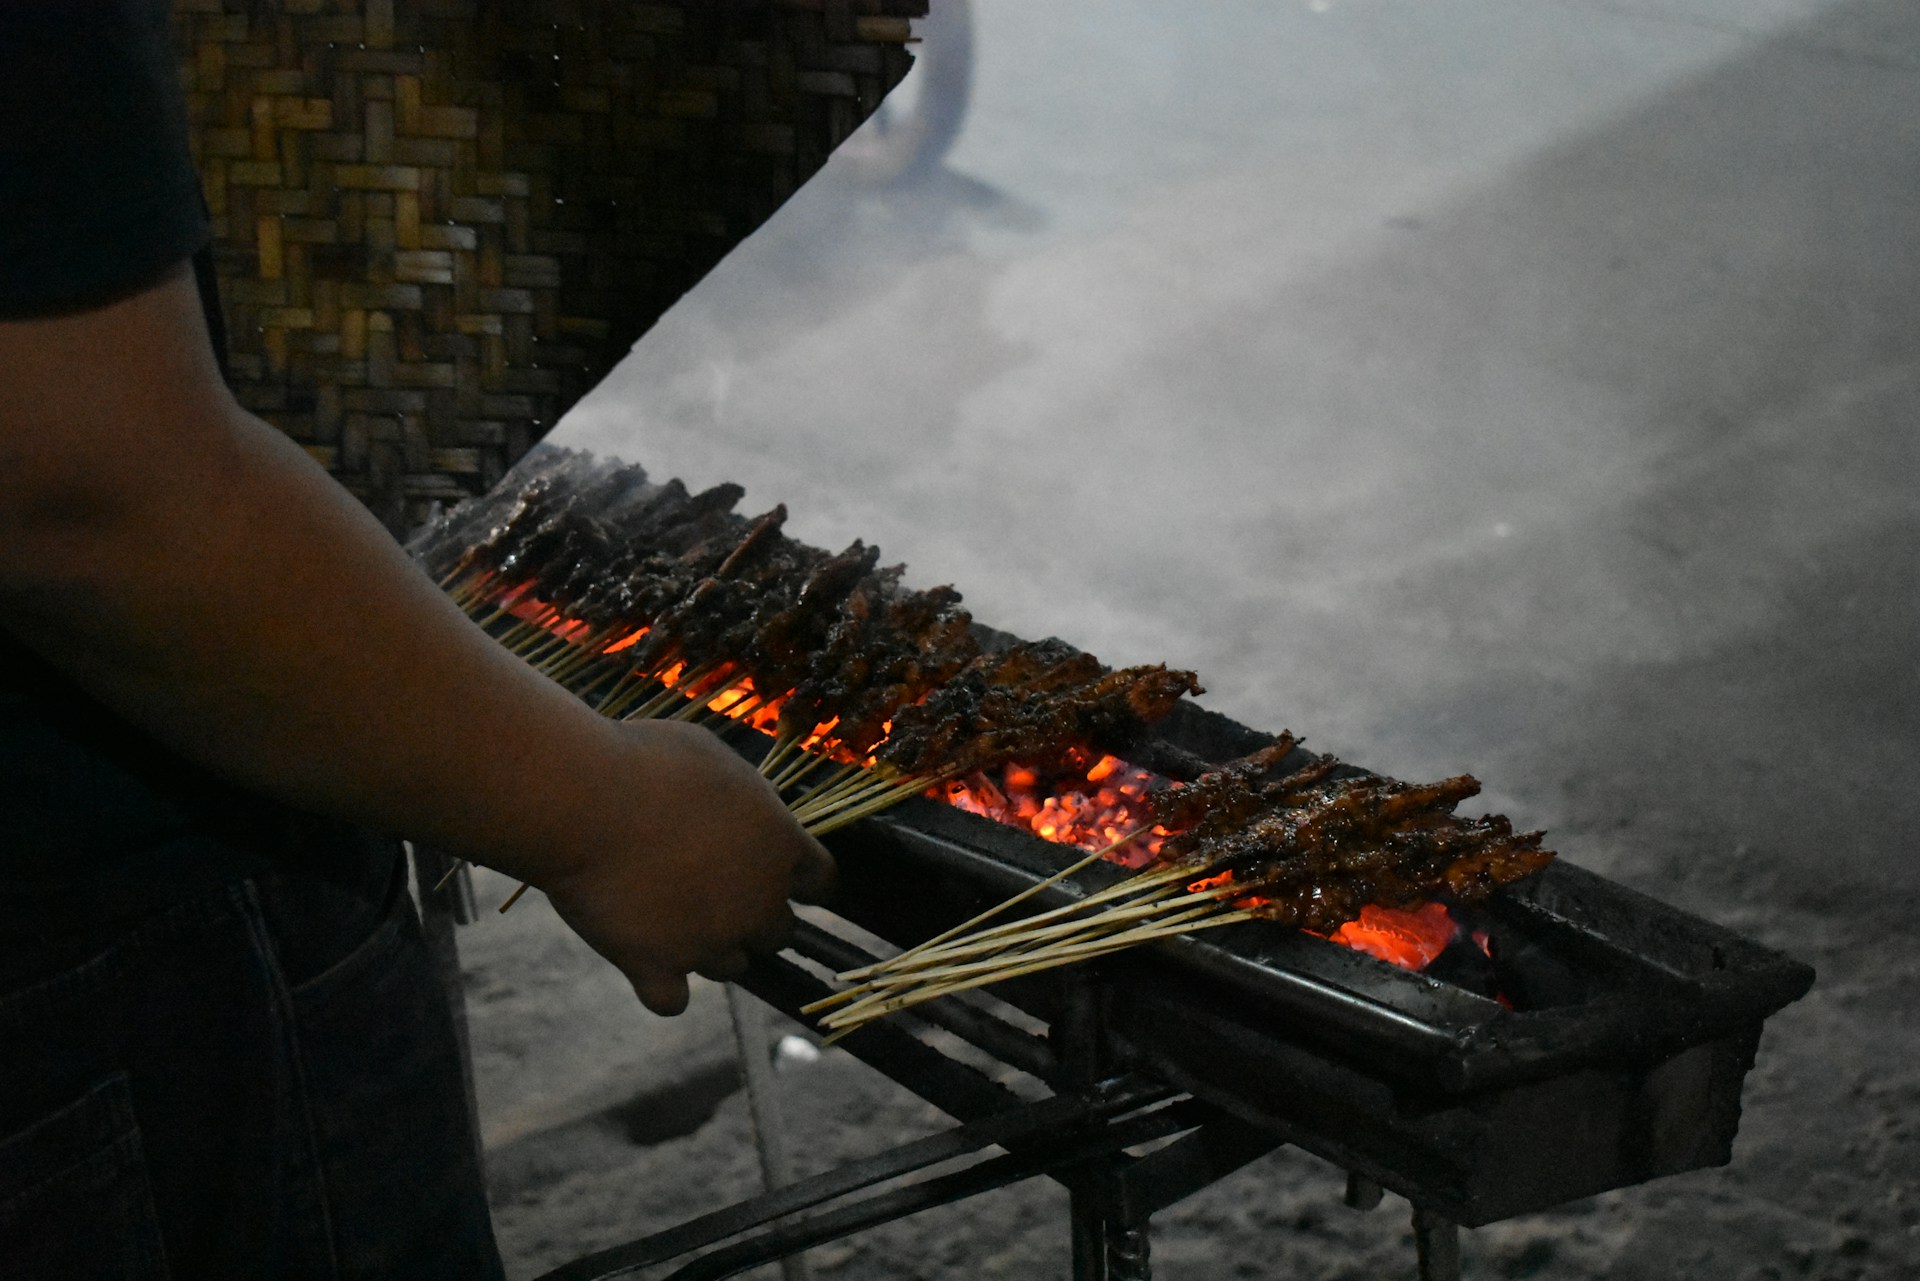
(784, 741)
(821, 825)
(666, 700)
(1142, 884)
(845, 784)
(1153, 903)
(933, 944)
(1134, 926)
(809, 762)
(934, 967)
(701, 704)
(844, 1024)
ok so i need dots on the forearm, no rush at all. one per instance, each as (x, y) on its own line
(197, 572)
(237, 604)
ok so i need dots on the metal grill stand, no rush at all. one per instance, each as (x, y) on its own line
(1078, 1136)
(1620, 1057)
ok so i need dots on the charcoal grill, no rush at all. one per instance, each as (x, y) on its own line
(1605, 1045)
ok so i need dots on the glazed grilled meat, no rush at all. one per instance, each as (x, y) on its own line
(882, 671)
(1315, 856)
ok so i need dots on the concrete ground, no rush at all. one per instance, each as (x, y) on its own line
(1522, 387)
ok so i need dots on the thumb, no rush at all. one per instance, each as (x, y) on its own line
(661, 991)
(815, 874)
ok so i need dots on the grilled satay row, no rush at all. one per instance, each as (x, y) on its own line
(896, 672)
(898, 675)
(1313, 847)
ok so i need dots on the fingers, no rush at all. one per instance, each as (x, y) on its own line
(774, 935)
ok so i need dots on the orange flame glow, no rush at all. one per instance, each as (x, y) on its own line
(1094, 803)
(1248, 903)
(1410, 940)
(1090, 803)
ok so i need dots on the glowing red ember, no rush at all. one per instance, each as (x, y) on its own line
(1411, 940)
(1093, 803)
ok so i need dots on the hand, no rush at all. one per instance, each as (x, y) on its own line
(694, 873)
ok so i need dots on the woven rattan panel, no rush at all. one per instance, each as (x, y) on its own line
(440, 222)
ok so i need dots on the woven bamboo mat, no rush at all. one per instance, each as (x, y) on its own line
(440, 222)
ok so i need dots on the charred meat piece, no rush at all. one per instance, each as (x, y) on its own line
(450, 543)
(1324, 853)
(1035, 703)
(1228, 796)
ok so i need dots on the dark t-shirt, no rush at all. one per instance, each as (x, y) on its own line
(97, 190)
(98, 199)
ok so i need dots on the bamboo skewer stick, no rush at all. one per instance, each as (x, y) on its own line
(846, 1021)
(1014, 949)
(1017, 899)
(1131, 892)
(515, 896)
(1126, 929)
(783, 742)
(912, 787)
(1014, 942)
(556, 648)
(662, 702)
(630, 679)
(700, 704)
(464, 591)
(639, 685)
(519, 635)
(802, 762)
(733, 713)
(1143, 883)
(1140, 883)
(983, 974)
(548, 626)
(585, 661)
(688, 686)
(502, 607)
(1155, 904)
(796, 774)
(843, 783)
(592, 680)
(577, 640)
(853, 792)
(807, 763)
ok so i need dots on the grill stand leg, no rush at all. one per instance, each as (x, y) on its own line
(1110, 1242)
(1128, 1256)
(763, 1102)
(1438, 1241)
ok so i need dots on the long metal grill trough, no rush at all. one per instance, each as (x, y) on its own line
(1587, 1038)
(1600, 1041)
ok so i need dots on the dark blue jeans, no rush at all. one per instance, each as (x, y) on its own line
(259, 1080)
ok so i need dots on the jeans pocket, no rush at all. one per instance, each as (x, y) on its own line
(386, 1098)
(361, 962)
(75, 1203)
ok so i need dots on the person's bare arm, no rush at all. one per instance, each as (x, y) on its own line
(199, 573)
